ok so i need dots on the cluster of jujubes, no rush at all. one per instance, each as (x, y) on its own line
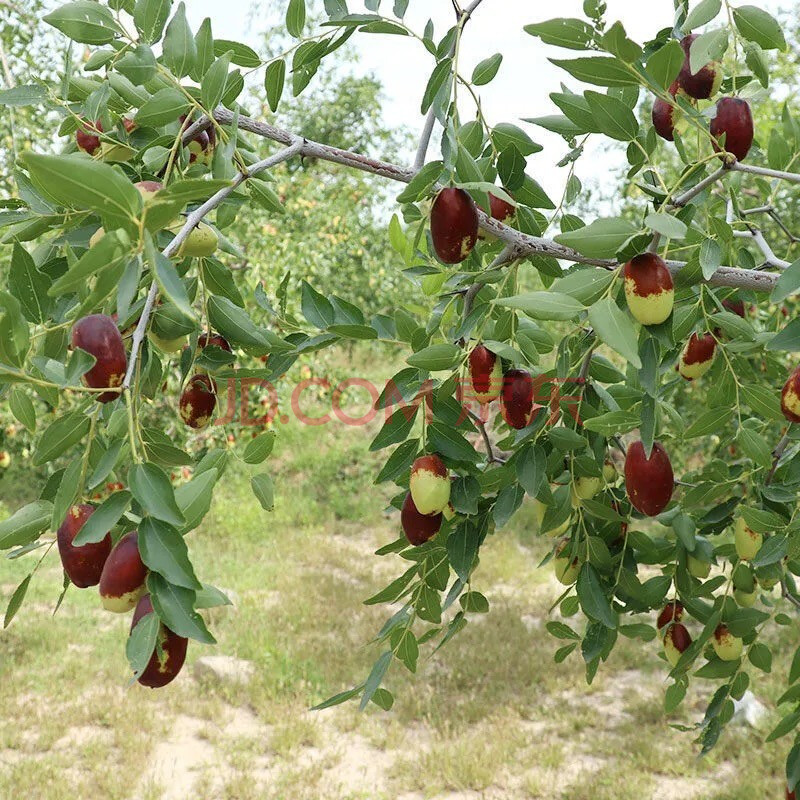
(427, 501)
(732, 125)
(514, 388)
(121, 575)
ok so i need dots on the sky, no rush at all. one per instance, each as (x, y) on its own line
(522, 85)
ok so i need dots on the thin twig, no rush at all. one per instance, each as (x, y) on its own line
(192, 221)
(770, 259)
(690, 194)
(492, 458)
(430, 119)
(789, 177)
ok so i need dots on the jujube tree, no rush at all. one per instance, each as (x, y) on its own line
(548, 367)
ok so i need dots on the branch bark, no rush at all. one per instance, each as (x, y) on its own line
(520, 245)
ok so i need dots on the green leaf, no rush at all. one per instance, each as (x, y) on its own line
(708, 422)
(702, 14)
(436, 357)
(16, 600)
(667, 225)
(167, 277)
(241, 54)
(593, 599)
(274, 78)
(175, 606)
(598, 70)
(153, 491)
(760, 657)
(179, 49)
(164, 550)
(25, 525)
(615, 328)
(59, 436)
(665, 64)
(787, 340)
(485, 71)
(22, 408)
(79, 182)
(165, 106)
(104, 518)
(708, 46)
(600, 239)
(421, 183)
(543, 305)
(150, 16)
(84, 21)
(266, 197)
(760, 27)
(450, 443)
(264, 490)
(613, 117)
(405, 647)
(194, 498)
(211, 597)
(572, 34)
(142, 642)
(296, 17)
(259, 448)
(505, 135)
(212, 88)
(109, 252)
(234, 323)
(375, 678)
(29, 286)
(788, 283)
(441, 73)
(31, 95)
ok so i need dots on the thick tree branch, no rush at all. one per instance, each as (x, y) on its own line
(520, 245)
(192, 221)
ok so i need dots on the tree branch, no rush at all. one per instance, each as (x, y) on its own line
(770, 259)
(520, 245)
(789, 177)
(192, 221)
(690, 194)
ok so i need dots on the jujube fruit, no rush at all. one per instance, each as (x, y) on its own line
(516, 401)
(733, 118)
(486, 374)
(697, 357)
(790, 397)
(84, 563)
(169, 653)
(706, 81)
(748, 542)
(727, 646)
(676, 642)
(649, 482)
(98, 334)
(122, 581)
(672, 612)
(429, 484)
(198, 401)
(649, 289)
(417, 527)
(87, 138)
(667, 116)
(454, 225)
